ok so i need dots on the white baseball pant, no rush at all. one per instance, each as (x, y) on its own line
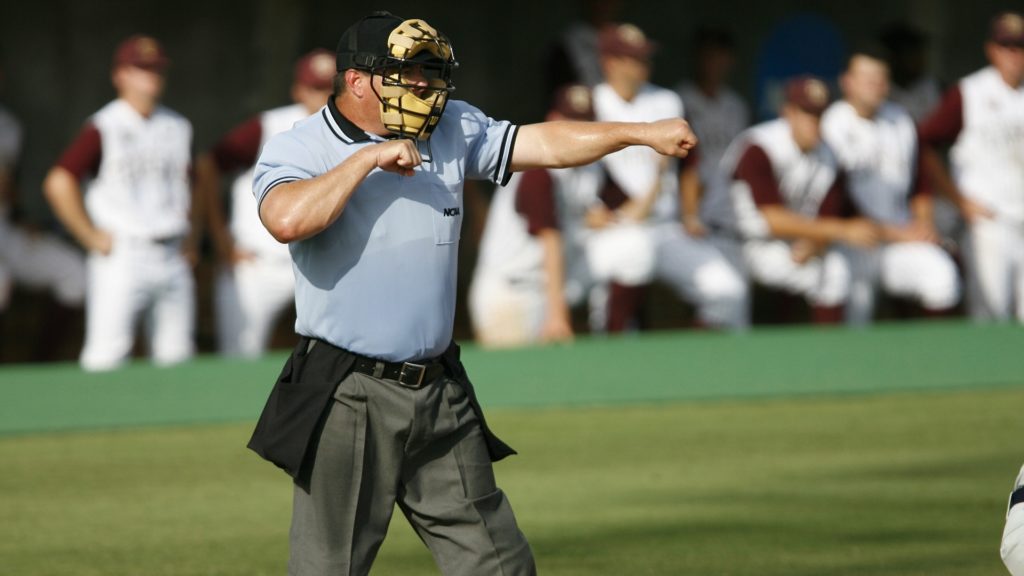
(40, 261)
(702, 276)
(994, 257)
(508, 313)
(1012, 548)
(250, 298)
(138, 280)
(920, 271)
(823, 280)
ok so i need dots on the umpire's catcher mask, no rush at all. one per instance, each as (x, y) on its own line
(415, 64)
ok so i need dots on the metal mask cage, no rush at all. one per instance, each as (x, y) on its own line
(431, 99)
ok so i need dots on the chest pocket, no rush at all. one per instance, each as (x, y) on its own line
(447, 207)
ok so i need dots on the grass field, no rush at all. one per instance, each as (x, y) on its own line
(898, 475)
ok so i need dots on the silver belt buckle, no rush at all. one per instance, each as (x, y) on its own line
(408, 369)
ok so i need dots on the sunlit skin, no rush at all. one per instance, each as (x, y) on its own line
(865, 84)
(626, 74)
(805, 127)
(140, 87)
(1008, 60)
(310, 98)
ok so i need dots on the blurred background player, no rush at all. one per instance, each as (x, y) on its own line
(913, 87)
(122, 190)
(982, 116)
(697, 272)
(574, 57)
(538, 257)
(30, 257)
(256, 283)
(875, 142)
(715, 111)
(790, 204)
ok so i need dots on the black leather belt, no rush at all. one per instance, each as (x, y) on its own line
(408, 374)
(1017, 497)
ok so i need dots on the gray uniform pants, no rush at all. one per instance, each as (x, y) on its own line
(384, 443)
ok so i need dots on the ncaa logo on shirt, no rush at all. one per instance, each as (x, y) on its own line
(449, 212)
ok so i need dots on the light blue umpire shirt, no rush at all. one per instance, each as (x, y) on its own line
(380, 280)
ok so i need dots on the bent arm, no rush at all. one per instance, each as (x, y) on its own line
(784, 223)
(300, 209)
(562, 144)
(64, 194)
(207, 190)
(557, 325)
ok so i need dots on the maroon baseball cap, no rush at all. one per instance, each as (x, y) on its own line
(808, 93)
(316, 69)
(625, 40)
(574, 102)
(1008, 29)
(141, 51)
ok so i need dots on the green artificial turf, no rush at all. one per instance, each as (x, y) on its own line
(907, 483)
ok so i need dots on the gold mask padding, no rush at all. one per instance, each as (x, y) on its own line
(402, 111)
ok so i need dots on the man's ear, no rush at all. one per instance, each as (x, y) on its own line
(356, 83)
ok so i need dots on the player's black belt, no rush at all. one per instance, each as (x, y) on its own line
(409, 374)
(1017, 497)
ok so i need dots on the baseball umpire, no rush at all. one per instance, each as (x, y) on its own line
(373, 408)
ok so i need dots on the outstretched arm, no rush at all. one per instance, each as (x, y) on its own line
(562, 144)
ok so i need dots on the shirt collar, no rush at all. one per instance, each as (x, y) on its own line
(352, 133)
(349, 132)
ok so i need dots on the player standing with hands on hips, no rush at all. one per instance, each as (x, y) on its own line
(132, 160)
(374, 408)
(983, 117)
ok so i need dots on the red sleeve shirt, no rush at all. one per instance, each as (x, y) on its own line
(921, 185)
(837, 202)
(943, 125)
(239, 148)
(612, 194)
(82, 157)
(535, 200)
(756, 170)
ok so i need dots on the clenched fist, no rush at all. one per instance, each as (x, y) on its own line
(671, 137)
(400, 156)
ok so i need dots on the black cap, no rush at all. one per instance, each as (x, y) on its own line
(365, 44)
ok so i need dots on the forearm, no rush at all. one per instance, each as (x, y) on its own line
(922, 210)
(562, 144)
(554, 272)
(938, 176)
(208, 196)
(64, 194)
(303, 208)
(689, 193)
(783, 223)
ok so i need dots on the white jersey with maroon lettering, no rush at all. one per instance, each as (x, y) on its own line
(636, 169)
(142, 188)
(247, 230)
(988, 156)
(879, 156)
(804, 178)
